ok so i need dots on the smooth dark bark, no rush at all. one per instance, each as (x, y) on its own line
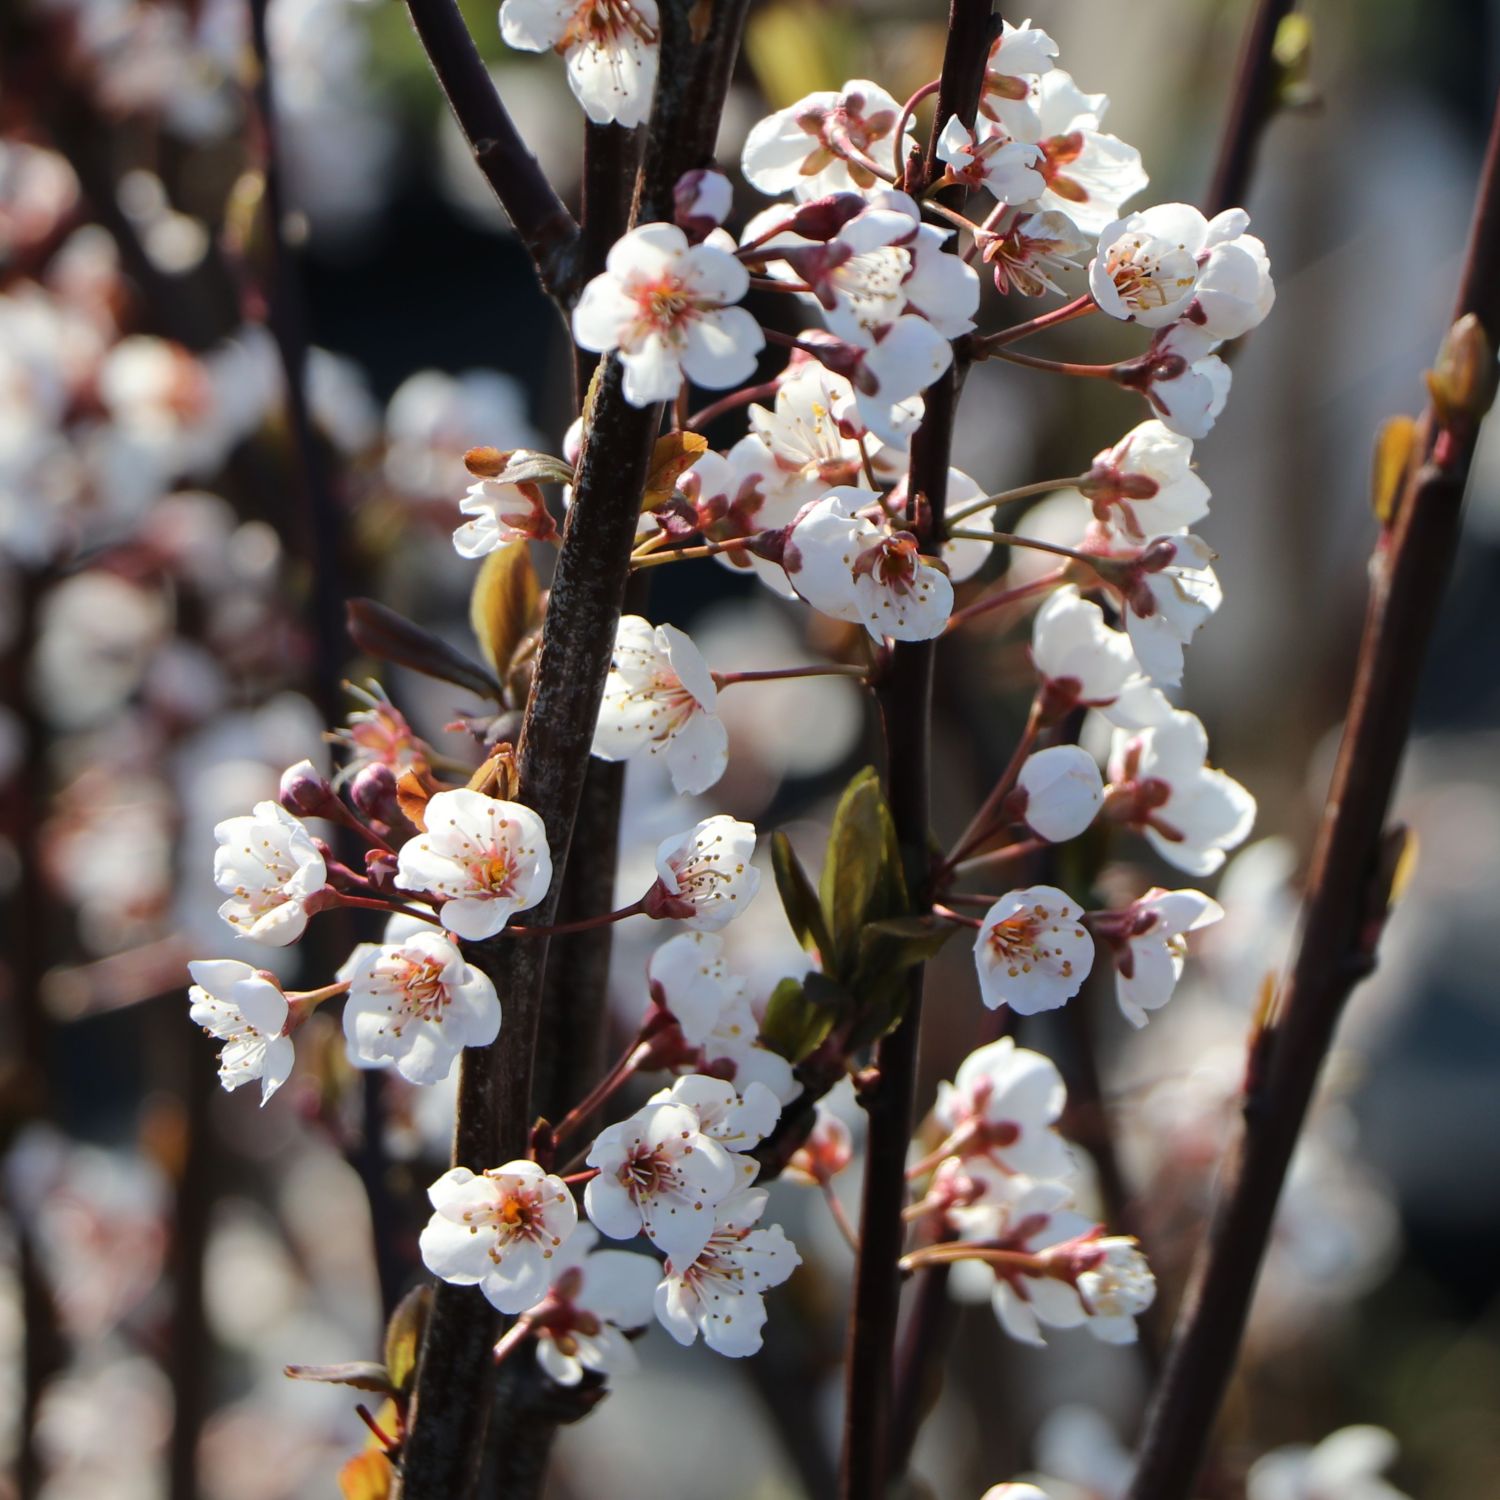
(1253, 104)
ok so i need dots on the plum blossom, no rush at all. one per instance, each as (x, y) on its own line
(905, 359)
(737, 494)
(1168, 590)
(1147, 269)
(1018, 57)
(414, 1001)
(813, 147)
(1346, 1465)
(1186, 383)
(499, 513)
(845, 565)
(665, 305)
(719, 1292)
(659, 1171)
(659, 699)
(1027, 256)
(1063, 792)
(1235, 291)
(596, 1297)
(247, 1011)
(268, 865)
(739, 1119)
(991, 160)
(610, 48)
(1002, 1106)
(1160, 783)
(488, 858)
(377, 733)
(1145, 485)
(810, 447)
(498, 1230)
(1147, 941)
(1032, 951)
(701, 201)
(1080, 659)
(704, 876)
(828, 1149)
(1100, 1283)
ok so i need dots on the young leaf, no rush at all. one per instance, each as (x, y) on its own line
(888, 951)
(362, 1374)
(503, 606)
(799, 899)
(671, 458)
(403, 1336)
(381, 632)
(800, 1014)
(862, 880)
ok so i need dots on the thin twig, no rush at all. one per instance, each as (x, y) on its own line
(1343, 911)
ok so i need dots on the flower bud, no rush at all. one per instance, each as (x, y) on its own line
(701, 201)
(304, 790)
(373, 792)
(486, 463)
(1462, 380)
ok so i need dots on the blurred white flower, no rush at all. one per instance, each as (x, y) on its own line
(1346, 1465)
(1032, 951)
(247, 1011)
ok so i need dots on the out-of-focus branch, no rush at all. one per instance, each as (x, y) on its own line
(1251, 108)
(1345, 905)
(538, 215)
(906, 711)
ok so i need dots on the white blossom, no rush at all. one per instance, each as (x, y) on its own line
(1149, 946)
(828, 1149)
(596, 1297)
(1033, 250)
(1169, 602)
(1100, 1284)
(1145, 485)
(845, 565)
(704, 876)
(268, 865)
(247, 1011)
(989, 159)
(799, 149)
(610, 47)
(659, 1171)
(1032, 951)
(1184, 380)
(1003, 1105)
(702, 200)
(659, 699)
(1346, 1465)
(1063, 792)
(737, 494)
(500, 513)
(487, 857)
(1147, 267)
(414, 1001)
(1160, 783)
(498, 1230)
(665, 305)
(719, 1292)
(809, 446)
(738, 1118)
(1235, 291)
(1081, 660)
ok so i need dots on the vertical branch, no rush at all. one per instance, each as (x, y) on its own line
(1253, 104)
(450, 1408)
(1343, 910)
(906, 711)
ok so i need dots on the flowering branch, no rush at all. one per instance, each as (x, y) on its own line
(1346, 901)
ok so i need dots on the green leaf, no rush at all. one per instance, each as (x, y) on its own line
(799, 899)
(800, 1014)
(888, 951)
(362, 1374)
(403, 1335)
(862, 880)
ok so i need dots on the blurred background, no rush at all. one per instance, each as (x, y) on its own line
(175, 547)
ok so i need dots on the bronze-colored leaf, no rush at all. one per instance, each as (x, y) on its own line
(1395, 447)
(403, 1335)
(674, 454)
(367, 1476)
(505, 603)
(362, 1374)
(381, 632)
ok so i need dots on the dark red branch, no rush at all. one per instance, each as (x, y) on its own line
(1253, 105)
(1342, 913)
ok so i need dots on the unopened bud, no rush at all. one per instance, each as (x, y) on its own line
(701, 201)
(1462, 381)
(824, 217)
(304, 790)
(486, 463)
(373, 792)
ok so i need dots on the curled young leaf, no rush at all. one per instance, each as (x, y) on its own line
(383, 633)
(505, 604)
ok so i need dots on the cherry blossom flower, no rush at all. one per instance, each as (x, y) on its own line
(610, 47)
(1002, 1106)
(1145, 484)
(704, 876)
(825, 1153)
(659, 1171)
(1063, 792)
(1032, 250)
(739, 1119)
(268, 865)
(498, 1231)
(992, 161)
(1080, 659)
(1167, 601)
(378, 734)
(809, 446)
(963, 557)
(814, 147)
(414, 1002)
(1160, 784)
(906, 358)
(1099, 1283)
(1147, 268)
(665, 305)
(500, 513)
(1235, 291)
(596, 1297)
(845, 565)
(1346, 1465)
(737, 494)
(488, 858)
(701, 201)
(1080, 1447)
(1183, 379)
(247, 1011)
(1148, 943)
(659, 699)
(719, 1292)
(1018, 56)
(1032, 952)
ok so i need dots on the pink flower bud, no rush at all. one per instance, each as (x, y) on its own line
(303, 790)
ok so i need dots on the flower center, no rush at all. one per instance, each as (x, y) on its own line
(493, 874)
